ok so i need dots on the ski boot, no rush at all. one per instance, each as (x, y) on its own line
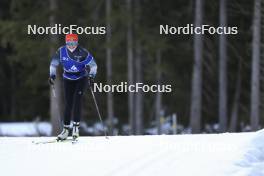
(64, 134)
(75, 130)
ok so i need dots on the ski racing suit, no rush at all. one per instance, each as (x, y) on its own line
(78, 66)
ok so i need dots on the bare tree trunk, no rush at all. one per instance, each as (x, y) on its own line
(130, 67)
(158, 97)
(55, 104)
(110, 105)
(234, 113)
(138, 95)
(222, 114)
(255, 80)
(138, 72)
(196, 97)
(13, 103)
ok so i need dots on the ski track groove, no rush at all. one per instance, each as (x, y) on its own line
(135, 164)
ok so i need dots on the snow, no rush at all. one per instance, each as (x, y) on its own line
(227, 154)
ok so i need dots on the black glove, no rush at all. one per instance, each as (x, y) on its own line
(90, 81)
(87, 68)
(52, 79)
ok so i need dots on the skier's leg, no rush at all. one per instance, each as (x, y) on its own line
(69, 87)
(80, 87)
(75, 130)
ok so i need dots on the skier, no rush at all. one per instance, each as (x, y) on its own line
(79, 69)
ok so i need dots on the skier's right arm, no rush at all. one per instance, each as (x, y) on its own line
(55, 62)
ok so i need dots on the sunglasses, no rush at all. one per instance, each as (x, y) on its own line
(72, 43)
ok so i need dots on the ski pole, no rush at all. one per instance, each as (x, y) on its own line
(98, 112)
(53, 91)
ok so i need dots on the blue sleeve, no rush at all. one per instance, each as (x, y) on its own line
(55, 62)
(93, 67)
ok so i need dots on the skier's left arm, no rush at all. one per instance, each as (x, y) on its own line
(91, 67)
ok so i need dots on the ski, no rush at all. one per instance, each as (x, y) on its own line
(51, 141)
(74, 140)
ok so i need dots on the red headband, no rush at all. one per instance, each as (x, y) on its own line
(71, 37)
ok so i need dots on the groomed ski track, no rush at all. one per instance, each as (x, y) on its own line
(227, 154)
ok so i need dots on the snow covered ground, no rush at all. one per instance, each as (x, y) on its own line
(234, 154)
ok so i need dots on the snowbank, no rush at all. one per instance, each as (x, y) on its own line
(252, 161)
(25, 129)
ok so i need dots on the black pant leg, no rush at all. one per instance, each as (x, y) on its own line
(69, 89)
(80, 88)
